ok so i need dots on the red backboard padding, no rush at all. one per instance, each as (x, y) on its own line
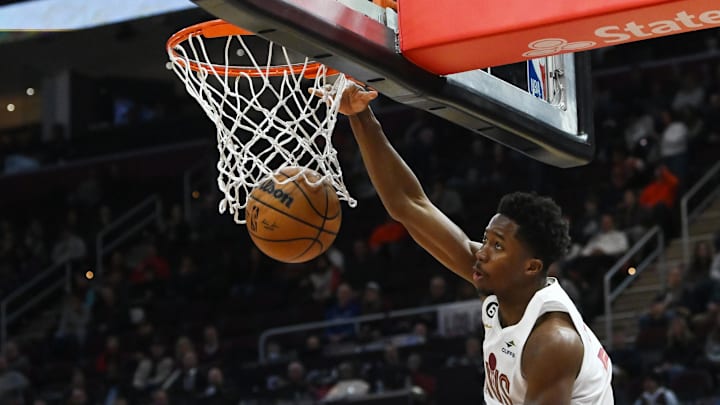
(450, 36)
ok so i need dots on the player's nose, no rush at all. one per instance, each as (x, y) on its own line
(480, 254)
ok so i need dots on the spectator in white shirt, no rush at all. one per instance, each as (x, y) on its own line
(608, 241)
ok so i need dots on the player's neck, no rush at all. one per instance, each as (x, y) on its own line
(511, 307)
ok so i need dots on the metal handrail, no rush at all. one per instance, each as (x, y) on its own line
(323, 324)
(686, 217)
(102, 246)
(610, 296)
(7, 318)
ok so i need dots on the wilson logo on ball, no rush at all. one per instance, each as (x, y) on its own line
(283, 197)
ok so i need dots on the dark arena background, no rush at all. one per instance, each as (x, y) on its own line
(120, 283)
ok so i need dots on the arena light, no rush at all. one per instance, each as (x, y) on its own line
(62, 15)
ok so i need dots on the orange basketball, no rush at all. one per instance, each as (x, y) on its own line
(293, 222)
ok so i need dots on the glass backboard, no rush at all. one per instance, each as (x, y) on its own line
(540, 108)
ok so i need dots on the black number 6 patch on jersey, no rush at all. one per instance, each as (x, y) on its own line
(491, 309)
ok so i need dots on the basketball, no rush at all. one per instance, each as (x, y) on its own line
(293, 222)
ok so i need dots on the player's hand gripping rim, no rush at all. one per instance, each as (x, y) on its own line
(355, 97)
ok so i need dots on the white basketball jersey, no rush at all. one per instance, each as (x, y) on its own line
(503, 348)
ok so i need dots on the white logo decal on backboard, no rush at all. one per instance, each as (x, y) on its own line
(551, 46)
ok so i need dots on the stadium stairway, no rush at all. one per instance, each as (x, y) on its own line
(635, 300)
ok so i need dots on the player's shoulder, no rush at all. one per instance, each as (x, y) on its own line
(554, 333)
(554, 350)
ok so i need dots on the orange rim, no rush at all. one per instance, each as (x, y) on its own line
(221, 28)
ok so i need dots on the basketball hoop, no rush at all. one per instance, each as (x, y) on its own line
(257, 94)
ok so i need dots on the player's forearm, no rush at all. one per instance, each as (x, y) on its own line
(395, 183)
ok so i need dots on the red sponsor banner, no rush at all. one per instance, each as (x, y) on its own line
(444, 36)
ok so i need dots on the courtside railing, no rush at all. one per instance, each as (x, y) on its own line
(695, 201)
(654, 235)
(126, 226)
(453, 318)
(31, 294)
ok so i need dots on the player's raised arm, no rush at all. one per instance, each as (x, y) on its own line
(401, 192)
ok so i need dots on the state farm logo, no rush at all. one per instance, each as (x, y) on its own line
(681, 22)
(551, 46)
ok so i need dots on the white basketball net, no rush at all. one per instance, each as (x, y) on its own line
(263, 123)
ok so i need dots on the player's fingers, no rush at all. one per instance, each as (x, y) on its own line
(370, 95)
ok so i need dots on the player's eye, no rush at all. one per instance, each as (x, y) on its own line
(498, 246)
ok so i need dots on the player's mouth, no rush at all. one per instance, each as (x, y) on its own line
(478, 274)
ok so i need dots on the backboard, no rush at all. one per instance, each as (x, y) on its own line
(549, 118)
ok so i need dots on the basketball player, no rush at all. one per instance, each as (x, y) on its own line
(537, 349)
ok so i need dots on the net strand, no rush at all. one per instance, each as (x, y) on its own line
(263, 123)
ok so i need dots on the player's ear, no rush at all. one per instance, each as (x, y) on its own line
(534, 266)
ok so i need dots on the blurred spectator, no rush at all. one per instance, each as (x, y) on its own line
(715, 265)
(588, 224)
(34, 240)
(15, 359)
(295, 386)
(372, 302)
(71, 329)
(88, 193)
(438, 292)
(188, 280)
(344, 307)
(211, 350)
(681, 350)
(110, 358)
(153, 369)
(78, 396)
(68, 247)
(323, 279)
(185, 382)
(12, 383)
(691, 95)
(655, 393)
(160, 397)
(389, 373)
(152, 267)
(465, 292)
(472, 356)
(640, 126)
(387, 235)
(608, 241)
(674, 144)
(175, 229)
(631, 218)
(448, 200)
(215, 393)
(659, 197)
(625, 357)
(677, 296)
(109, 316)
(274, 353)
(702, 258)
(183, 345)
(420, 377)
(362, 266)
(349, 385)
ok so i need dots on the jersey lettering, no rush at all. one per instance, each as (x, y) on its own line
(497, 384)
(604, 358)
